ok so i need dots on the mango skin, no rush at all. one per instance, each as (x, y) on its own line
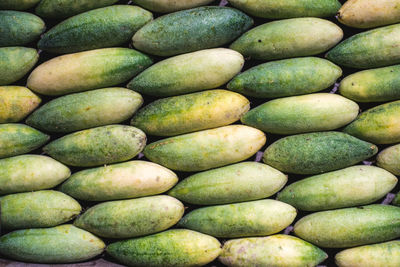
(30, 173)
(15, 62)
(351, 226)
(97, 146)
(380, 124)
(288, 38)
(120, 181)
(87, 70)
(276, 250)
(239, 182)
(254, 218)
(206, 149)
(396, 200)
(18, 4)
(190, 113)
(369, 13)
(287, 77)
(375, 85)
(37, 209)
(19, 28)
(369, 49)
(378, 255)
(131, 218)
(389, 159)
(85, 110)
(18, 102)
(176, 247)
(302, 114)
(352, 186)
(16, 139)
(102, 27)
(168, 6)
(56, 9)
(315, 153)
(188, 73)
(60, 244)
(191, 30)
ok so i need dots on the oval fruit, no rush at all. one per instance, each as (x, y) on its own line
(168, 6)
(389, 159)
(18, 4)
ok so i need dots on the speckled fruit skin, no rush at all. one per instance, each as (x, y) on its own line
(19, 28)
(103, 27)
(191, 112)
(352, 186)
(119, 181)
(287, 77)
(389, 159)
(176, 247)
(314, 153)
(132, 217)
(191, 30)
(188, 73)
(380, 124)
(56, 9)
(60, 244)
(239, 182)
(87, 70)
(276, 250)
(351, 226)
(168, 6)
(288, 38)
(18, 4)
(369, 49)
(15, 62)
(16, 139)
(206, 149)
(85, 110)
(302, 114)
(378, 255)
(271, 9)
(98, 146)
(37, 209)
(254, 218)
(16, 102)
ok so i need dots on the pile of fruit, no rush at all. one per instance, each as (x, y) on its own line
(159, 133)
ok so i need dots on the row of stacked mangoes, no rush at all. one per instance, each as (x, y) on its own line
(195, 117)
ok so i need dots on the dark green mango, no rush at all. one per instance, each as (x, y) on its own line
(18, 4)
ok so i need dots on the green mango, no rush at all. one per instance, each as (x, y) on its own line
(191, 30)
(177, 247)
(378, 255)
(15, 62)
(188, 73)
(389, 159)
(396, 200)
(239, 182)
(118, 181)
(16, 139)
(37, 209)
(85, 110)
(288, 38)
(271, 9)
(352, 186)
(56, 9)
(369, 49)
(99, 28)
(18, 4)
(380, 124)
(375, 85)
(87, 70)
(30, 173)
(19, 28)
(131, 218)
(315, 153)
(168, 6)
(287, 77)
(60, 244)
(18, 102)
(275, 250)
(98, 146)
(206, 149)
(369, 13)
(254, 218)
(351, 226)
(302, 114)
(190, 113)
